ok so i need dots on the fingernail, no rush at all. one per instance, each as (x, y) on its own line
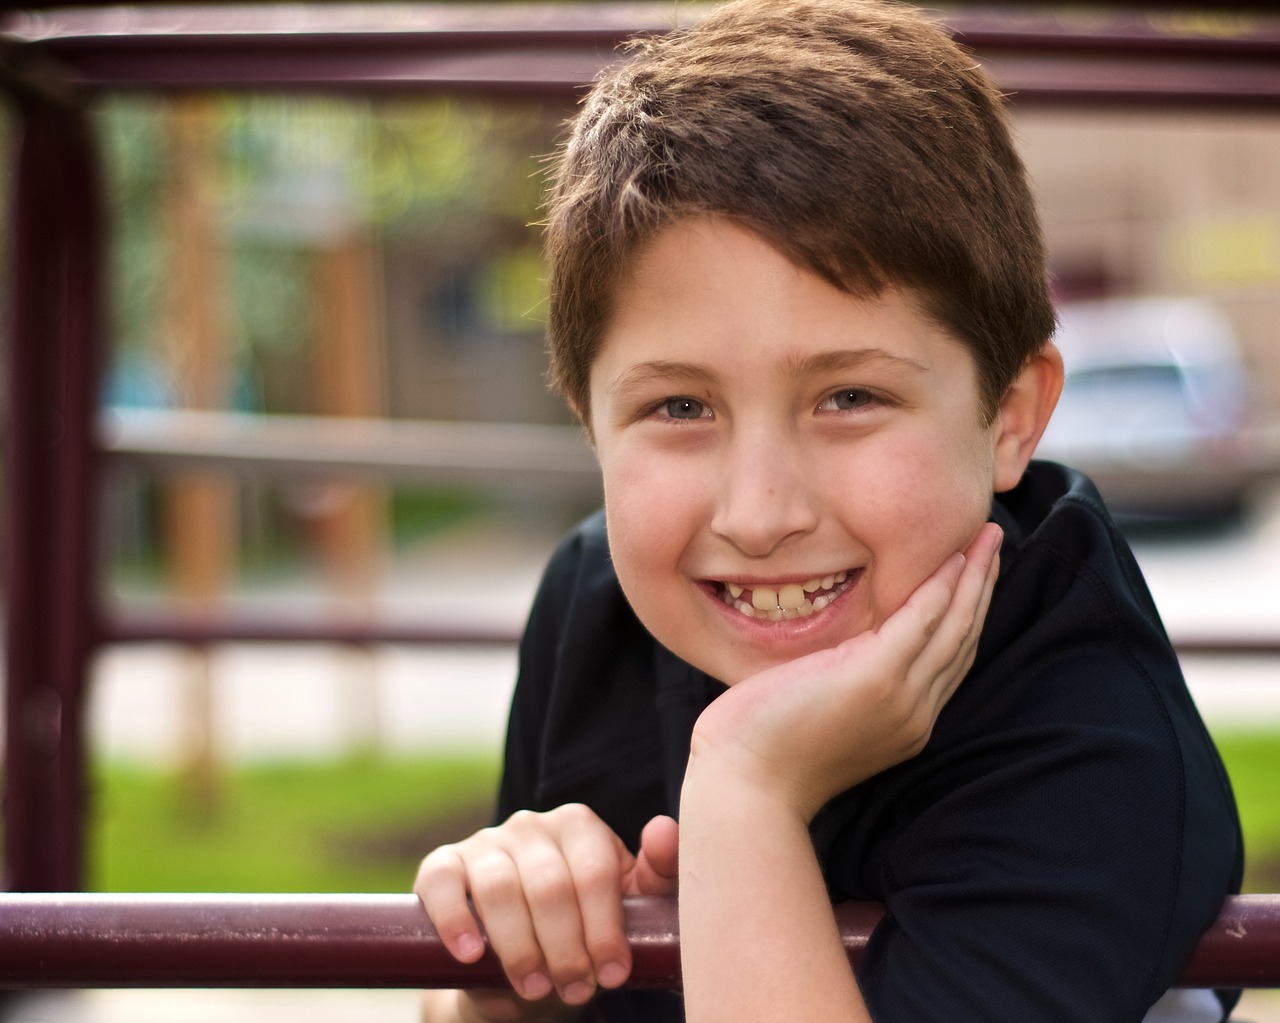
(535, 986)
(578, 992)
(612, 975)
(470, 947)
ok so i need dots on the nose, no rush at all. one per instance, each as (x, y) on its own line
(764, 496)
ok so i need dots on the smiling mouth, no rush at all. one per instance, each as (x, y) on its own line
(792, 600)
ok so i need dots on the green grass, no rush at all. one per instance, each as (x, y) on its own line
(362, 824)
(1253, 762)
(354, 825)
(417, 512)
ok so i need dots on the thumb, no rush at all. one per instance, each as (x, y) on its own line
(655, 871)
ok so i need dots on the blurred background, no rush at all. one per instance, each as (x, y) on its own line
(402, 231)
(275, 258)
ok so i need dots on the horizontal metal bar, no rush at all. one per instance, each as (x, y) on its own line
(435, 26)
(485, 47)
(596, 27)
(1229, 58)
(1131, 28)
(231, 628)
(498, 456)
(501, 456)
(529, 73)
(1033, 6)
(1241, 948)
(367, 941)
(1227, 646)
(489, 454)
(1093, 80)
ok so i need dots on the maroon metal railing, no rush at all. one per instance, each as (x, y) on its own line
(56, 332)
(53, 62)
(1126, 55)
(368, 941)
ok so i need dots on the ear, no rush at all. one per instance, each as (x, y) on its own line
(1024, 413)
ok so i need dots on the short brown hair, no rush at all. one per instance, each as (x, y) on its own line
(853, 135)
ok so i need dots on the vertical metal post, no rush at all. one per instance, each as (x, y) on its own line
(55, 330)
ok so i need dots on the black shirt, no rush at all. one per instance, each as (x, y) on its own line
(1053, 853)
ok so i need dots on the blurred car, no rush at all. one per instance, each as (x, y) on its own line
(1155, 406)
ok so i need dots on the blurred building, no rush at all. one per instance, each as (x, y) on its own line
(1163, 203)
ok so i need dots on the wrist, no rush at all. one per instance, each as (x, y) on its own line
(726, 791)
(725, 778)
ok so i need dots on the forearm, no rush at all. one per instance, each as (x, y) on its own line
(446, 1006)
(758, 936)
(440, 1007)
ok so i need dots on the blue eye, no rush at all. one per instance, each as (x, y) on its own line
(848, 399)
(684, 408)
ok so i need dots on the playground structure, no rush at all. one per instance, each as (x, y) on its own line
(52, 64)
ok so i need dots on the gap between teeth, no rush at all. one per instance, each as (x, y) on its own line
(789, 601)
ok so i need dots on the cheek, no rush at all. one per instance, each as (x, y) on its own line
(649, 535)
(937, 502)
(650, 508)
(956, 477)
(631, 532)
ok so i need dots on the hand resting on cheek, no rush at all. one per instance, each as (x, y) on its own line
(808, 729)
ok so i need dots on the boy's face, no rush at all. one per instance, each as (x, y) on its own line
(783, 463)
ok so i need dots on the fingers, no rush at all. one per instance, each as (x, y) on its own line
(597, 860)
(441, 886)
(950, 647)
(656, 869)
(502, 902)
(950, 650)
(950, 597)
(548, 888)
(933, 637)
(908, 631)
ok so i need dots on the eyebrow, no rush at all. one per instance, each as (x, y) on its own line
(836, 360)
(851, 358)
(644, 373)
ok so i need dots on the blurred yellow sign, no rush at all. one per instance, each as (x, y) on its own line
(1228, 252)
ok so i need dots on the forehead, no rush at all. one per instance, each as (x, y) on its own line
(709, 299)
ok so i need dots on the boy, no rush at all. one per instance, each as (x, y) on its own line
(832, 614)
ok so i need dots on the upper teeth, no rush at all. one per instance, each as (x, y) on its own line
(790, 596)
(791, 600)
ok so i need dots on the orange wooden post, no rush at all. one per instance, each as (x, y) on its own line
(199, 507)
(352, 527)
